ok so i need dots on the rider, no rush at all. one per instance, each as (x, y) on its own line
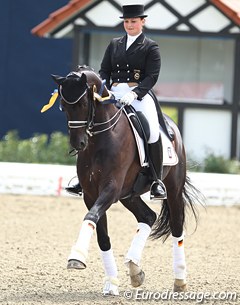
(131, 66)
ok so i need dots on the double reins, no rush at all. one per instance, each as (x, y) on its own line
(89, 124)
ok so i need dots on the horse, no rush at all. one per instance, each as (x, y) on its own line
(108, 167)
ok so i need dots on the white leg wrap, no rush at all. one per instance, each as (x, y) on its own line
(179, 264)
(80, 249)
(110, 286)
(109, 263)
(111, 283)
(135, 251)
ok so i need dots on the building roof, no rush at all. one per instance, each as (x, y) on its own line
(230, 8)
(211, 16)
(60, 16)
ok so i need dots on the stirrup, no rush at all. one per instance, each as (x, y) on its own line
(158, 190)
(75, 189)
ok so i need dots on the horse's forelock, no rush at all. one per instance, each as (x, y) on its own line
(74, 74)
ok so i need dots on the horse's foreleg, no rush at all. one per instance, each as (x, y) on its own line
(109, 264)
(145, 217)
(134, 254)
(111, 282)
(79, 252)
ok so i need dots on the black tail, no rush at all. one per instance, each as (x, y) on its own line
(190, 196)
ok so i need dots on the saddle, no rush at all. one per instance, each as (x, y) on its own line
(140, 122)
(141, 132)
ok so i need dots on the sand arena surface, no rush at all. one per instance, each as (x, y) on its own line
(37, 233)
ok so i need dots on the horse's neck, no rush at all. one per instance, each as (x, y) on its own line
(104, 112)
(94, 79)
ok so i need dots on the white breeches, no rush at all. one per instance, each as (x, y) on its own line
(146, 106)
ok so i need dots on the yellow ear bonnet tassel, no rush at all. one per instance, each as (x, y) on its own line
(51, 101)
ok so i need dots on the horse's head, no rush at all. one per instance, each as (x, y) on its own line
(76, 101)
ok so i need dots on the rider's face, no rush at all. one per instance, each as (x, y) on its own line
(133, 26)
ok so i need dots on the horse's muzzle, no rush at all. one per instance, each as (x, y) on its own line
(79, 143)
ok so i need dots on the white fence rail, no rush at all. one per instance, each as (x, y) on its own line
(44, 179)
(35, 179)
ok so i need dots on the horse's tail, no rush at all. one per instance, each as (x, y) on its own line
(190, 195)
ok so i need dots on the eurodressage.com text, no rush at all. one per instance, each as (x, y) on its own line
(199, 297)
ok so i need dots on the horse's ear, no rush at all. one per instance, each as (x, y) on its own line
(83, 78)
(58, 79)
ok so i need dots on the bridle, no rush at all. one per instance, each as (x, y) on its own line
(89, 123)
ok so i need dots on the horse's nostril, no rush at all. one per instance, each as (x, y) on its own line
(82, 145)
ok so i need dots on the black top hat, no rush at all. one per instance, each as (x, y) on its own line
(133, 11)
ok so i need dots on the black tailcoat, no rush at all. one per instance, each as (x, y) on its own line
(140, 63)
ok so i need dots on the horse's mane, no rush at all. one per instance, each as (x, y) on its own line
(85, 68)
(82, 68)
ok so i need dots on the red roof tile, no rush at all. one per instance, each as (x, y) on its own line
(59, 16)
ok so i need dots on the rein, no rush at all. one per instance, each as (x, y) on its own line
(81, 124)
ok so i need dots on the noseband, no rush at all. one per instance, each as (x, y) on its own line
(89, 124)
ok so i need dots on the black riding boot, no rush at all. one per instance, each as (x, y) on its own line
(158, 189)
(75, 189)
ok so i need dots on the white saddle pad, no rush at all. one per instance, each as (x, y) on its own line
(170, 157)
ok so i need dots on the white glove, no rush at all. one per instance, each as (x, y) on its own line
(128, 98)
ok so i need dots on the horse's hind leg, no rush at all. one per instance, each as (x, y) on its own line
(110, 268)
(146, 218)
(176, 207)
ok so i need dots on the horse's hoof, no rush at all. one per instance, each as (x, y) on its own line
(180, 286)
(138, 279)
(110, 286)
(75, 264)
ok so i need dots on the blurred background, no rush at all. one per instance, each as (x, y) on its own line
(198, 85)
(26, 64)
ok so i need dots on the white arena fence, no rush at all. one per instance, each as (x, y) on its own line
(45, 179)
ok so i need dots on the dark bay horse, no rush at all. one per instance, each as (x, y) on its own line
(108, 167)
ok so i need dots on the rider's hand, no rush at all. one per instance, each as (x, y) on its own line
(128, 98)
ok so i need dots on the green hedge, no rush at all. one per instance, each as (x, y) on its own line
(54, 149)
(215, 164)
(41, 148)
